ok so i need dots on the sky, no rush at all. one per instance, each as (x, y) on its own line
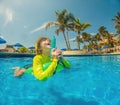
(19, 18)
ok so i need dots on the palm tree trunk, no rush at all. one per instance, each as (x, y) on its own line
(78, 42)
(67, 38)
(78, 45)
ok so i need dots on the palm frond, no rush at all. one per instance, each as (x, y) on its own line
(84, 26)
(50, 24)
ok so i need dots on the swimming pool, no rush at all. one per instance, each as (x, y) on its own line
(92, 80)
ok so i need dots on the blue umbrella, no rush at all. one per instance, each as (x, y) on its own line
(2, 40)
(106, 47)
(18, 45)
(99, 48)
(75, 49)
(89, 49)
(64, 49)
(32, 47)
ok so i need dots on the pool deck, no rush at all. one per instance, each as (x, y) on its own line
(82, 53)
(65, 53)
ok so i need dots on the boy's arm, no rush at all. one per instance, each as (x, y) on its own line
(38, 68)
(65, 62)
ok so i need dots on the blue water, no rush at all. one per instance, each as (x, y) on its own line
(92, 80)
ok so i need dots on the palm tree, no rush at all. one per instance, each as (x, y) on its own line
(117, 22)
(86, 37)
(63, 24)
(102, 31)
(117, 25)
(78, 27)
(104, 35)
(111, 40)
(97, 39)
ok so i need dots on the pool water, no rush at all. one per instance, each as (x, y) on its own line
(92, 80)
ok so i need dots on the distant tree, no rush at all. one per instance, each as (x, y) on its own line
(102, 31)
(117, 23)
(86, 38)
(79, 27)
(23, 50)
(117, 26)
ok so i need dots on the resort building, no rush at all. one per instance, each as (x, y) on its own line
(8, 48)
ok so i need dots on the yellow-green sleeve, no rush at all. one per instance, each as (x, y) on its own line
(66, 63)
(38, 68)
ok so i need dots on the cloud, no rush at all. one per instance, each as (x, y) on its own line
(44, 26)
(39, 28)
(1, 9)
(24, 26)
(73, 39)
(1, 36)
(93, 33)
(8, 16)
(6, 13)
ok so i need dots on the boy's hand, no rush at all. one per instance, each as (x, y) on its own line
(56, 53)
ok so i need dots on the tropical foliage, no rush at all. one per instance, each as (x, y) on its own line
(117, 22)
(66, 22)
(117, 26)
(23, 50)
(63, 24)
(79, 27)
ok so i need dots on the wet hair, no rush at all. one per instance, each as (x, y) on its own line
(38, 44)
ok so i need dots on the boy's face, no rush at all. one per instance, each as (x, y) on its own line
(45, 46)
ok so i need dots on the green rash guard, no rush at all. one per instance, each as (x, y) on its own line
(41, 59)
